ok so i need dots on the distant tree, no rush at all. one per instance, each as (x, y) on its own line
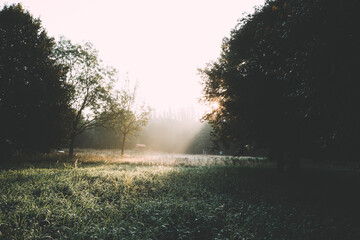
(34, 97)
(97, 138)
(125, 116)
(201, 142)
(286, 79)
(91, 81)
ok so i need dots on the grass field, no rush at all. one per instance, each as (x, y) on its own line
(99, 195)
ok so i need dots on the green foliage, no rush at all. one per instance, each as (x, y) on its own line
(34, 98)
(91, 82)
(125, 116)
(62, 200)
(97, 138)
(286, 79)
(201, 142)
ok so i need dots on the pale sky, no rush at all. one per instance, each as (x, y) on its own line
(160, 43)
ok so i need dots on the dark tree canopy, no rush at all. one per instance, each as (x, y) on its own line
(287, 81)
(34, 99)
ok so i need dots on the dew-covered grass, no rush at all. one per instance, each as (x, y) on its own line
(96, 196)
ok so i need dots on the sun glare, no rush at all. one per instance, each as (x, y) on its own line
(214, 105)
(161, 43)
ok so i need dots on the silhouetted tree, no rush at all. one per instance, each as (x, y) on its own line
(92, 82)
(34, 98)
(286, 79)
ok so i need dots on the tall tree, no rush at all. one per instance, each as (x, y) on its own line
(34, 98)
(286, 79)
(91, 81)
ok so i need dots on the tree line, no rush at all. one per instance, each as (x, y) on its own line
(52, 91)
(160, 135)
(287, 81)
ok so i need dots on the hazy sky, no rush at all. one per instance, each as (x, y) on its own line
(160, 43)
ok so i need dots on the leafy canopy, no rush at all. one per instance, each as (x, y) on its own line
(286, 78)
(34, 97)
(125, 115)
(91, 81)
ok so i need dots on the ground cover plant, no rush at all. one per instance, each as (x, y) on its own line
(99, 197)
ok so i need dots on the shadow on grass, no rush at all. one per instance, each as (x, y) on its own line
(313, 204)
(137, 201)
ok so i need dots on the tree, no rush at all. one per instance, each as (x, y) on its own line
(34, 98)
(125, 116)
(201, 142)
(286, 79)
(91, 81)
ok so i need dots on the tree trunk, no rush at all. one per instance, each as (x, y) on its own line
(280, 162)
(295, 164)
(277, 155)
(71, 146)
(123, 145)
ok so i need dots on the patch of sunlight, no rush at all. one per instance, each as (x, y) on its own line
(134, 161)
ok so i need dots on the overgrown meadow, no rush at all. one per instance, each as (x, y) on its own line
(98, 195)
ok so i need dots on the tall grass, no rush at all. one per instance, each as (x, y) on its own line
(86, 198)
